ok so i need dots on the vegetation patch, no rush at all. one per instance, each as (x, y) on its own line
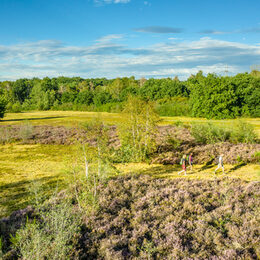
(140, 217)
(23, 167)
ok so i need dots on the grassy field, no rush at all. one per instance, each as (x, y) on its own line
(75, 118)
(25, 169)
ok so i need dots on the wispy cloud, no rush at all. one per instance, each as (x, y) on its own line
(112, 1)
(212, 32)
(158, 29)
(243, 31)
(110, 37)
(108, 58)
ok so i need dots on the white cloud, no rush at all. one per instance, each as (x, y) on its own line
(112, 1)
(109, 58)
(110, 37)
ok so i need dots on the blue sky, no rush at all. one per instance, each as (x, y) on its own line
(116, 38)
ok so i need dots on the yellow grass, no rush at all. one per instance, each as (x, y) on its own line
(22, 167)
(250, 172)
(75, 118)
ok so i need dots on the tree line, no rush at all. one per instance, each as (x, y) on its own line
(209, 96)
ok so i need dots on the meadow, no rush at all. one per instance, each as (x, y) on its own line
(25, 166)
(75, 118)
(105, 214)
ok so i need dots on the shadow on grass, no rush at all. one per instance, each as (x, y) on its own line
(30, 119)
(163, 171)
(207, 165)
(18, 195)
(236, 167)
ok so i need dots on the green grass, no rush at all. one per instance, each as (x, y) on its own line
(23, 168)
(249, 172)
(75, 118)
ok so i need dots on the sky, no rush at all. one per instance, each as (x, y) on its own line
(123, 38)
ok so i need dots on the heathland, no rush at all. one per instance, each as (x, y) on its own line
(99, 185)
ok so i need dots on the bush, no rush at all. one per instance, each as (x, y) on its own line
(26, 131)
(16, 108)
(178, 106)
(257, 156)
(209, 134)
(50, 237)
(243, 133)
(5, 135)
(2, 106)
(142, 218)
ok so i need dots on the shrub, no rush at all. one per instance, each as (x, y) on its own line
(177, 106)
(257, 156)
(243, 133)
(26, 131)
(50, 237)
(16, 107)
(1, 252)
(209, 134)
(141, 217)
(2, 106)
(5, 135)
(174, 142)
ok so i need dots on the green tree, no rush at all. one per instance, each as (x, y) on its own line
(138, 133)
(2, 105)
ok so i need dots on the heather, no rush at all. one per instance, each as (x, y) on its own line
(145, 218)
(140, 217)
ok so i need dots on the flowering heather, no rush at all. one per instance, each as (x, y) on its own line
(145, 218)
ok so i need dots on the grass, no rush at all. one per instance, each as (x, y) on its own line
(23, 167)
(250, 172)
(72, 118)
(49, 167)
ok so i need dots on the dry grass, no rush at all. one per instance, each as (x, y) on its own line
(74, 118)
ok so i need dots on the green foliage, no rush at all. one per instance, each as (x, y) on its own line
(1, 251)
(137, 135)
(208, 96)
(224, 97)
(174, 142)
(3, 104)
(50, 237)
(16, 108)
(175, 106)
(257, 156)
(241, 132)
(209, 133)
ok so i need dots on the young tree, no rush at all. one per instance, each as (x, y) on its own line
(138, 132)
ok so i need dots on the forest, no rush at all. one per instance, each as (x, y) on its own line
(210, 96)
